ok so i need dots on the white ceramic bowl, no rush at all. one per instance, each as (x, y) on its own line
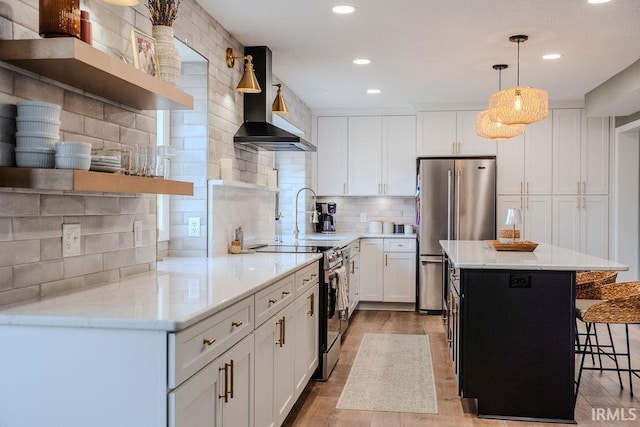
(44, 110)
(67, 148)
(39, 125)
(36, 140)
(35, 158)
(7, 156)
(82, 162)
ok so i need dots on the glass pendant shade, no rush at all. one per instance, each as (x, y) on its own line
(279, 106)
(248, 83)
(495, 130)
(519, 105)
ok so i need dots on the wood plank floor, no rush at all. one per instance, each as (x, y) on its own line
(317, 405)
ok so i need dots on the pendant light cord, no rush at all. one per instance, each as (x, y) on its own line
(518, 72)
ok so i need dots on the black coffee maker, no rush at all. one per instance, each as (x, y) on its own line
(326, 217)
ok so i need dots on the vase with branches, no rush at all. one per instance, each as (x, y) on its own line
(163, 14)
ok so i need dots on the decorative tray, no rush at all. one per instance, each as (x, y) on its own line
(521, 245)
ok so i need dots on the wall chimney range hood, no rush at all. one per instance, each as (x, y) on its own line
(257, 132)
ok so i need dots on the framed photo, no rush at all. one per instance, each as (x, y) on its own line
(144, 52)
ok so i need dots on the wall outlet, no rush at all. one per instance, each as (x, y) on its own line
(194, 288)
(70, 239)
(194, 227)
(363, 217)
(137, 234)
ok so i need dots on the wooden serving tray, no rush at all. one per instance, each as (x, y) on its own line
(521, 245)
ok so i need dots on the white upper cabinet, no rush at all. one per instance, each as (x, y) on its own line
(365, 156)
(525, 162)
(580, 153)
(332, 155)
(446, 133)
(399, 155)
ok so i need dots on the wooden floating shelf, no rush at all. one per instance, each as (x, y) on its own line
(78, 64)
(78, 180)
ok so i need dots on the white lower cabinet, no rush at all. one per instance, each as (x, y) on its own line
(390, 273)
(221, 394)
(274, 383)
(306, 338)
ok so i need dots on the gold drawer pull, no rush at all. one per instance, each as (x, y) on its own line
(209, 341)
(285, 293)
(236, 324)
(272, 301)
(314, 275)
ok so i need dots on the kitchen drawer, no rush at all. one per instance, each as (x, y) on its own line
(399, 245)
(270, 300)
(307, 277)
(191, 349)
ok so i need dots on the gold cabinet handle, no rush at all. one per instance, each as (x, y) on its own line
(285, 293)
(311, 304)
(236, 324)
(314, 275)
(279, 342)
(284, 330)
(521, 187)
(209, 341)
(578, 187)
(231, 366)
(584, 187)
(527, 187)
(272, 301)
(225, 395)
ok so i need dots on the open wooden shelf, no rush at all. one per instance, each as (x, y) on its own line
(78, 180)
(73, 62)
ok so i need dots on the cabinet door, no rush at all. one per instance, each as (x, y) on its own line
(332, 155)
(354, 283)
(594, 227)
(437, 133)
(510, 166)
(595, 156)
(504, 203)
(469, 142)
(538, 157)
(566, 151)
(306, 338)
(200, 401)
(265, 408)
(285, 353)
(371, 278)
(399, 277)
(538, 219)
(365, 156)
(399, 155)
(566, 229)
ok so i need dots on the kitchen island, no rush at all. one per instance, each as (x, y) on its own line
(163, 348)
(510, 324)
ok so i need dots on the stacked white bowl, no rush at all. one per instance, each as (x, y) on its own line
(73, 155)
(38, 125)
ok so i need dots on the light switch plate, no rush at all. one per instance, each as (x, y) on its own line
(70, 240)
(363, 217)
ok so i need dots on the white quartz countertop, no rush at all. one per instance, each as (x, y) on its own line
(180, 293)
(338, 239)
(479, 254)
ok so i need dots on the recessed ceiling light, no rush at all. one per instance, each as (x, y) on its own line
(362, 61)
(373, 91)
(551, 56)
(598, 1)
(343, 9)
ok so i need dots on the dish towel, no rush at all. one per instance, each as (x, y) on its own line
(342, 288)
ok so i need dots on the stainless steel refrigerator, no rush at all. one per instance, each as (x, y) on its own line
(456, 200)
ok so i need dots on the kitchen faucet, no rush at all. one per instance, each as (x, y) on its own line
(295, 215)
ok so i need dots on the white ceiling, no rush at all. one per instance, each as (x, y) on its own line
(430, 54)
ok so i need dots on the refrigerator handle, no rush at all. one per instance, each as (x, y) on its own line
(449, 204)
(457, 205)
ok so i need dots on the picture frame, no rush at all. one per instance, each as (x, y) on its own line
(145, 56)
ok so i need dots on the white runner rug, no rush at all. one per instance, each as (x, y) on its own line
(393, 373)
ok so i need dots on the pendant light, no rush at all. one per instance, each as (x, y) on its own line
(518, 105)
(498, 131)
(122, 2)
(248, 83)
(279, 106)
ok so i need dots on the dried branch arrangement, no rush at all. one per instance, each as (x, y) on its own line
(163, 12)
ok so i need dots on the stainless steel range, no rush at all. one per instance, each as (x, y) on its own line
(331, 325)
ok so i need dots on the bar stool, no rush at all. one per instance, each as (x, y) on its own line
(617, 303)
(587, 284)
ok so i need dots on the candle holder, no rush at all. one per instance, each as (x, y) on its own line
(59, 18)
